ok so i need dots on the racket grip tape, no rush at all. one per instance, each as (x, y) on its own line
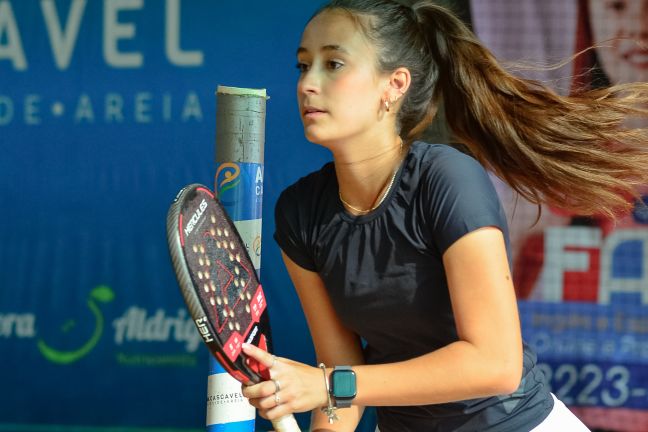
(286, 424)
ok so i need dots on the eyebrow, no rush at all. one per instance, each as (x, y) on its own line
(336, 48)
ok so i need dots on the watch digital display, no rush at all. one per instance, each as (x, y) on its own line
(343, 384)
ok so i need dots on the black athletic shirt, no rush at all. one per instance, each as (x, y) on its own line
(385, 277)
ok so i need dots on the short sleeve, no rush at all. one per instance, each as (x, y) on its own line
(291, 229)
(462, 199)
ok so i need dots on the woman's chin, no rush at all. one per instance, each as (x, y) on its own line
(314, 137)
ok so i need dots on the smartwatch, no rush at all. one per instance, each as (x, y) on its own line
(343, 386)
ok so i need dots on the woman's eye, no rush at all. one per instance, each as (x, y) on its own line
(302, 67)
(334, 64)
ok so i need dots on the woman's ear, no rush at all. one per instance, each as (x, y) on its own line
(398, 84)
(400, 80)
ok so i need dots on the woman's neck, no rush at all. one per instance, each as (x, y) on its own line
(365, 173)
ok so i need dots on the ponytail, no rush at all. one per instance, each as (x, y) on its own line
(570, 152)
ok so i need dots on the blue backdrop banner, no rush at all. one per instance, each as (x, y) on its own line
(107, 108)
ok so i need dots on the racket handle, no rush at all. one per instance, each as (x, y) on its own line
(286, 424)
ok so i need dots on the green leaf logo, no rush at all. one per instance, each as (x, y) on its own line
(101, 294)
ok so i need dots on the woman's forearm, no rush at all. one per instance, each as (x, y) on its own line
(458, 371)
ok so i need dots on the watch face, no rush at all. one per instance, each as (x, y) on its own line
(343, 384)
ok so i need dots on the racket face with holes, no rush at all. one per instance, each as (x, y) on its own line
(217, 280)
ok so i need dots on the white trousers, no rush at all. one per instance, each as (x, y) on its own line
(559, 419)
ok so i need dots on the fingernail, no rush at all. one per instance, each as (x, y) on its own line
(246, 345)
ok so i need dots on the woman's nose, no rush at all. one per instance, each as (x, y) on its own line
(309, 83)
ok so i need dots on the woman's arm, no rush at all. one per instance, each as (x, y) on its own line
(334, 343)
(487, 359)
(303, 387)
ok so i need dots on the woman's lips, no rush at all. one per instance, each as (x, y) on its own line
(313, 113)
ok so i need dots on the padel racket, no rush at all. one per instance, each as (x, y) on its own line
(219, 285)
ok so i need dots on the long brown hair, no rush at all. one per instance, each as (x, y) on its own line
(571, 152)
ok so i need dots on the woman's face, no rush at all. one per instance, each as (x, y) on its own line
(339, 90)
(624, 59)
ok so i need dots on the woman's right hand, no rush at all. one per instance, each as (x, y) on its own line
(293, 386)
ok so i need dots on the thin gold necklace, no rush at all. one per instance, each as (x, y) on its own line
(382, 198)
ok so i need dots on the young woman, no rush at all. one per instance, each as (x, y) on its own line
(398, 248)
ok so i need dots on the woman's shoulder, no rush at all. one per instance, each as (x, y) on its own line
(434, 160)
(301, 208)
(309, 186)
(430, 149)
(313, 181)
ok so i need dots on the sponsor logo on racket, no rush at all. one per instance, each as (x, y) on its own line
(252, 335)
(196, 217)
(201, 323)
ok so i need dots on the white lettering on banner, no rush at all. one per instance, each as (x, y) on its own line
(63, 34)
(18, 325)
(146, 107)
(559, 260)
(631, 345)
(114, 31)
(32, 108)
(114, 106)
(143, 107)
(6, 110)
(225, 403)
(591, 384)
(136, 325)
(84, 110)
(64, 40)
(172, 39)
(259, 182)
(13, 49)
(192, 108)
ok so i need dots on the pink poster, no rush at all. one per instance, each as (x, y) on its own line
(582, 281)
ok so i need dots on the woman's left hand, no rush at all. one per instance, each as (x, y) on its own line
(293, 386)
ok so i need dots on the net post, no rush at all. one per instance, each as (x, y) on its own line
(238, 183)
